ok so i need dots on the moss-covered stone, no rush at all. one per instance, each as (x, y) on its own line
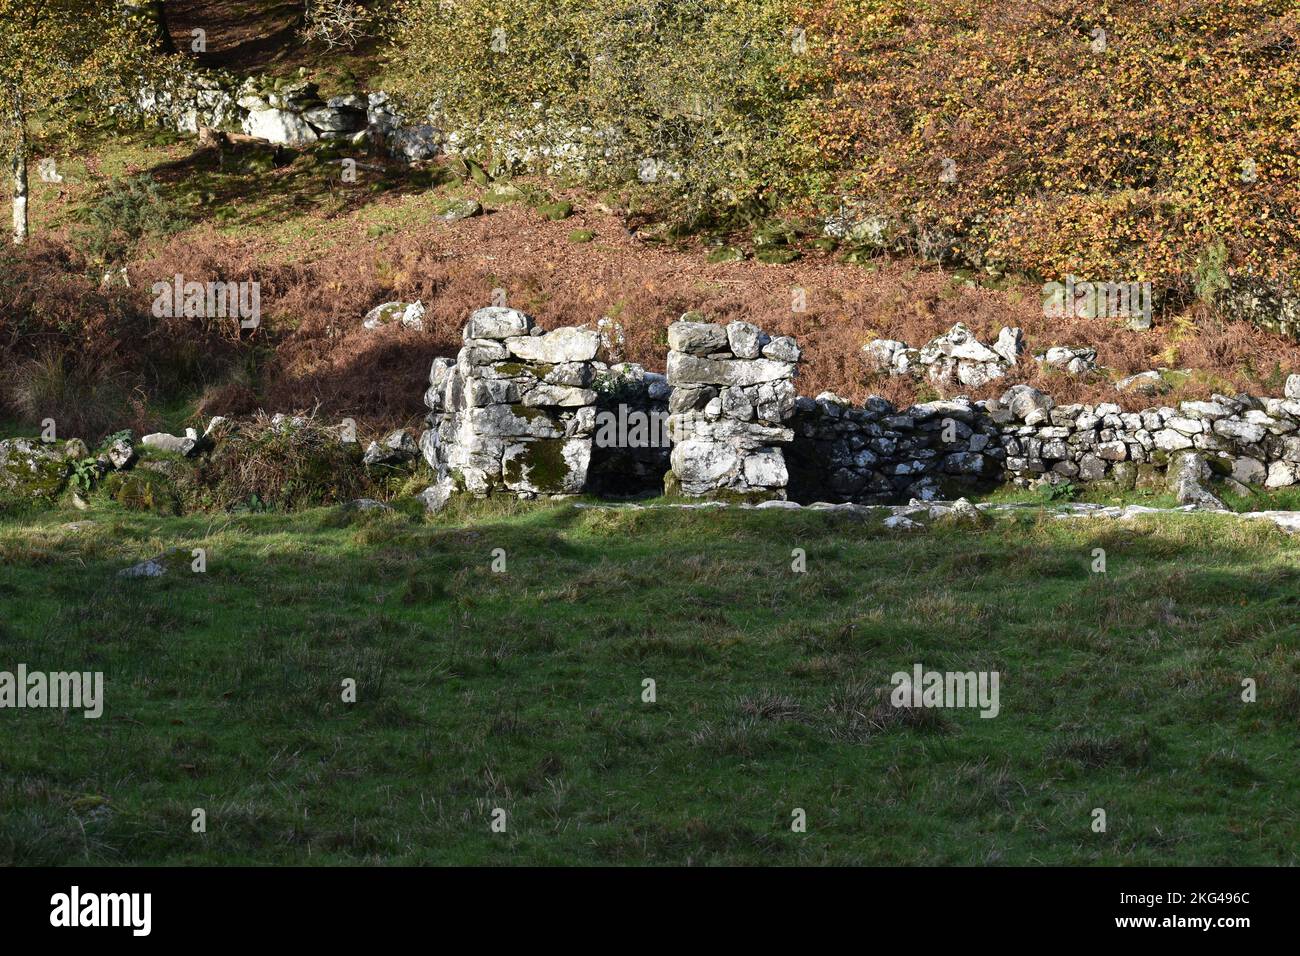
(31, 472)
(502, 194)
(556, 210)
(775, 234)
(1149, 478)
(476, 171)
(963, 514)
(776, 255)
(1220, 467)
(541, 466)
(1124, 475)
(454, 210)
(527, 412)
(518, 369)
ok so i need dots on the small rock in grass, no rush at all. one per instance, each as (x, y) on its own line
(154, 567)
(903, 523)
(436, 496)
(459, 209)
(962, 514)
(397, 447)
(367, 504)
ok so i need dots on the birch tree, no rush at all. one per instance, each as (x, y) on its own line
(55, 52)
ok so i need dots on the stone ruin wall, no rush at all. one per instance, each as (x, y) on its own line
(521, 411)
(733, 396)
(515, 411)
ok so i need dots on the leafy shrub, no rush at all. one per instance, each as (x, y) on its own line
(142, 490)
(1211, 273)
(1061, 491)
(279, 467)
(84, 475)
(685, 97)
(1108, 142)
(128, 211)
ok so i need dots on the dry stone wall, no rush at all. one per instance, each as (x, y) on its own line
(877, 453)
(527, 412)
(515, 411)
(289, 112)
(732, 400)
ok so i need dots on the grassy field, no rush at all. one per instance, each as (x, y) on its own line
(522, 690)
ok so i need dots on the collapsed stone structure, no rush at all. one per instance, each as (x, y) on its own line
(288, 111)
(527, 412)
(517, 411)
(956, 357)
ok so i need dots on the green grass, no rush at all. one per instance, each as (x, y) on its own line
(1259, 499)
(522, 690)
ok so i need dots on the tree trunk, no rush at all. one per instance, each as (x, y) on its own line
(164, 33)
(20, 187)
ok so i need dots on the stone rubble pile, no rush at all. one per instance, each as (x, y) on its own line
(959, 358)
(1075, 361)
(409, 315)
(733, 396)
(955, 358)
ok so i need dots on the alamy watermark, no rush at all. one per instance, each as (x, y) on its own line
(66, 690)
(209, 300)
(631, 428)
(75, 909)
(1097, 300)
(946, 689)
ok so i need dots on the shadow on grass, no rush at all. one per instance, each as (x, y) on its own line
(523, 689)
(247, 184)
